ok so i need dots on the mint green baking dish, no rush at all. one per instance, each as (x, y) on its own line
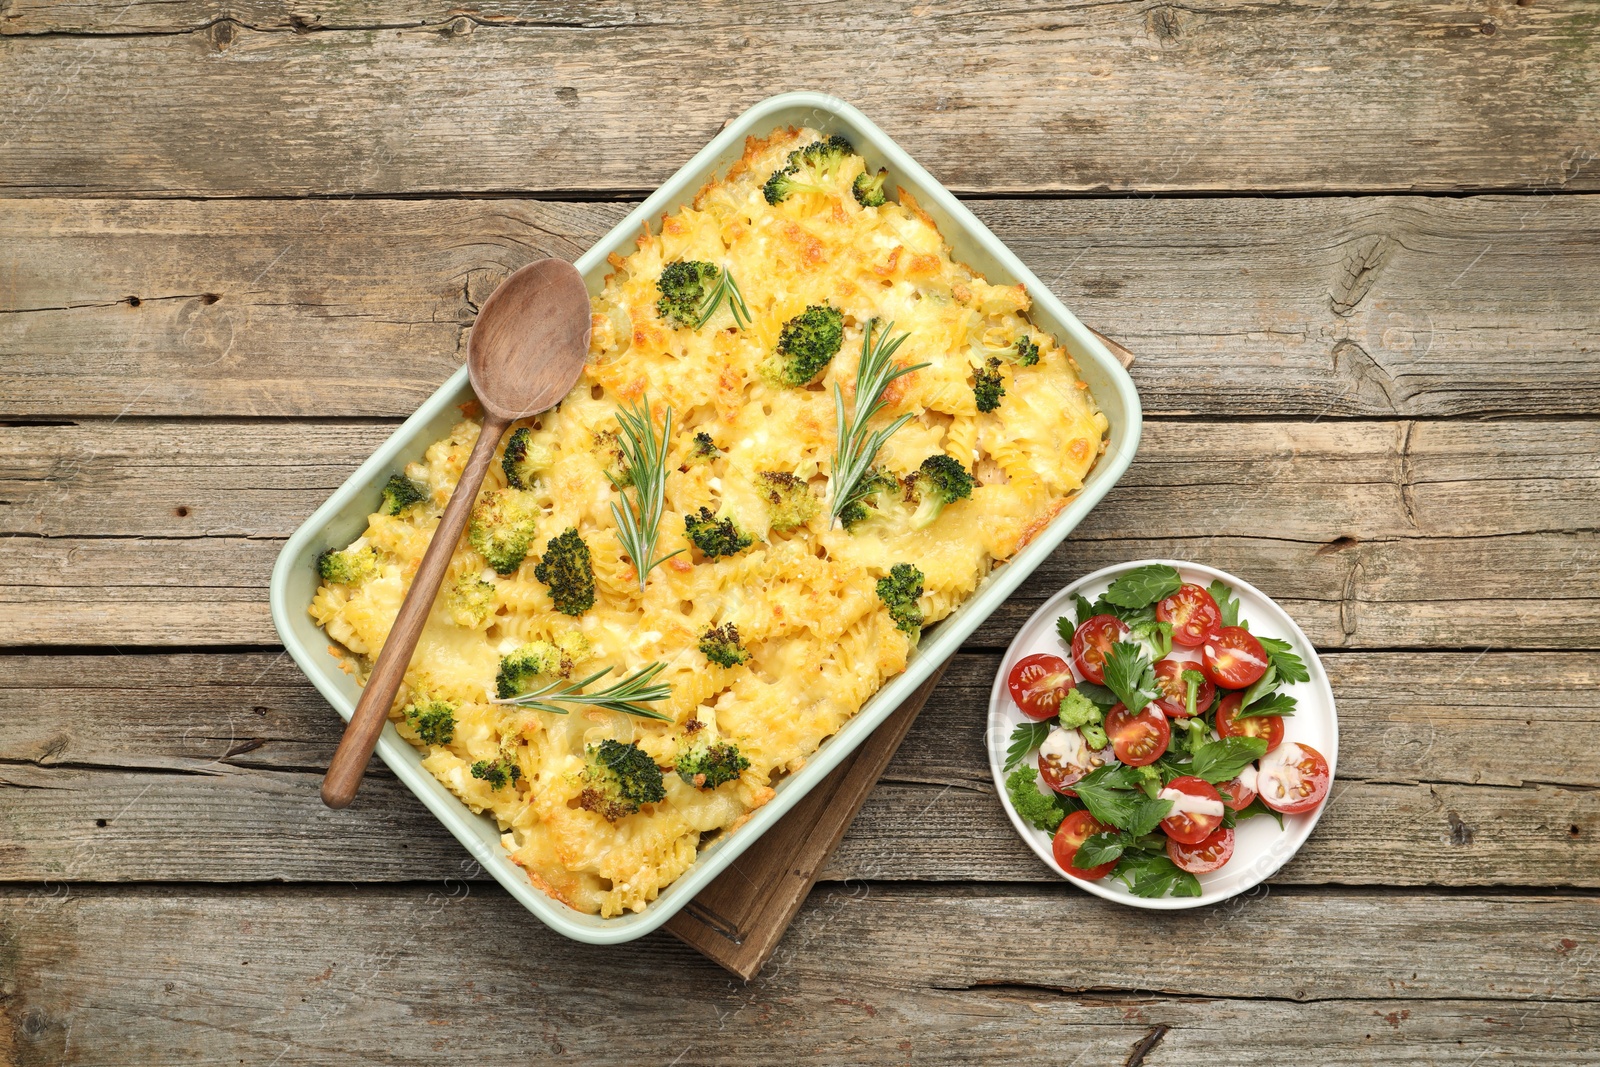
(342, 518)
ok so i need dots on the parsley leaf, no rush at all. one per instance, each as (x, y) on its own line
(1099, 848)
(1224, 597)
(1065, 628)
(1111, 796)
(1279, 704)
(1024, 739)
(1154, 875)
(1098, 695)
(1260, 687)
(1083, 609)
(1222, 760)
(1130, 675)
(1255, 807)
(1143, 586)
(1291, 668)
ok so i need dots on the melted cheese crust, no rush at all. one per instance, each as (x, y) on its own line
(804, 601)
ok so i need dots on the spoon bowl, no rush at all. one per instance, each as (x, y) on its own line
(526, 352)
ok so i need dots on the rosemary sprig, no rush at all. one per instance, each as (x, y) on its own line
(855, 448)
(726, 290)
(626, 696)
(639, 518)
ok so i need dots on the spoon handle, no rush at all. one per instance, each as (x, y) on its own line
(349, 762)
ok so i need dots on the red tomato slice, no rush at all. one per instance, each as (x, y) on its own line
(1239, 795)
(1074, 830)
(1091, 642)
(1064, 758)
(1138, 739)
(1233, 657)
(1207, 856)
(1293, 779)
(1193, 613)
(1039, 684)
(1191, 828)
(1169, 678)
(1267, 727)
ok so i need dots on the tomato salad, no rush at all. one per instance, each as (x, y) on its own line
(1163, 731)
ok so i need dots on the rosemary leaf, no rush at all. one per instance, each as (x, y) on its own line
(855, 448)
(639, 517)
(627, 696)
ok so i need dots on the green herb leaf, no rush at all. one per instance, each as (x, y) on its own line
(1098, 695)
(1224, 597)
(1066, 628)
(1144, 585)
(1279, 704)
(1097, 849)
(1291, 668)
(1084, 610)
(1222, 760)
(1260, 687)
(1024, 739)
(1131, 676)
(1154, 875)
(1111, 795)
(1255, 807)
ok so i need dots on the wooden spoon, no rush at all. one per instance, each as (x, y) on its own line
(527, 350)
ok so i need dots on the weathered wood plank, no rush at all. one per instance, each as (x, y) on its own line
(1394, 305)
(304, 976)
(1422, 735)
(1034, 97)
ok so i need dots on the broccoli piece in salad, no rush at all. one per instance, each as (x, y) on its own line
(790, 501)
(684, 286)
(498, 773)
(705, 764)
(987, 385)
(503, 525)
(868, 189)
(619, 778)
(433, 720)
(939, 481)
(470, 601)
(899, 592)
(536, 659)
(1032, 806)
(702, 449)
(1078, 712)
(721, 645)
(524, 458)
(400, 494)
(568, 569)
(806, 345)
(812, 169)
(350, 566)
(716, 535)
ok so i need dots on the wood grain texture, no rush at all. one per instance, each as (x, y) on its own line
(1085, 97)
(1317, 307)
(211, 775)
(317, 974)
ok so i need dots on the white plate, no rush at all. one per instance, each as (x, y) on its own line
(1260, 848)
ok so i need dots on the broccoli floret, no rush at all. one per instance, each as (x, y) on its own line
(351, 566)
(808, 170)
(1033, 807)
(869, 189)
(434, 720)
(807, 343)
(707, 765)
(498, 773)
(607, 444)
(1078, 712)
(899, 593)
(470, 601)
(539, 658)
(790, 501)
(401, 493)
(1025, 353)
(568, 570)
(524, 459)
(618, 778)
(721, 646)
(684, 286)
(879, 490)
(716, 535)
(936, 483)
(503, 525)
(987, 385)
(703, 449)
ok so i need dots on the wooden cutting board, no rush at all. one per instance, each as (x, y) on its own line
(739, 919)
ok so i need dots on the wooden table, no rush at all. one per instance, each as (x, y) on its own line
(1356, 247)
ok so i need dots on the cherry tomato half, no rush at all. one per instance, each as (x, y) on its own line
(1207, 856)
(1064, 758)
(1169, 679)
(1239, 794)
(1138, 739)
(1233, 657)
(1091, 642)
(1039, 684)
(1193, 613)
(1074, 830)
(1267, 727)
(1293, 779)
(1192, 827)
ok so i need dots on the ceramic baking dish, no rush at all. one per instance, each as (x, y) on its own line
(342, 518)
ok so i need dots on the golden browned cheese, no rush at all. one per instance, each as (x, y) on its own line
(804, 600)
